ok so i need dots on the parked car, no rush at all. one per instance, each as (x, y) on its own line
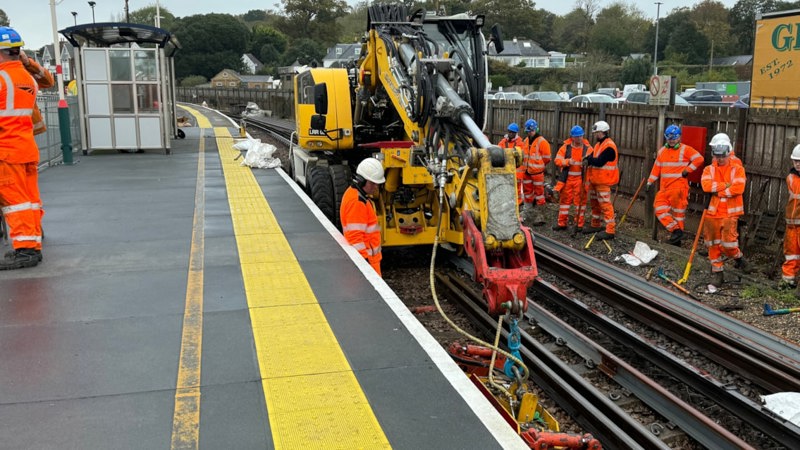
(508, 96)
(488, 96)
(544, 96)
(592, 98)
(703, 95)
(643, 98)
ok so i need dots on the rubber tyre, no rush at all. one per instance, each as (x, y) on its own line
(320, 189)
(341, 177)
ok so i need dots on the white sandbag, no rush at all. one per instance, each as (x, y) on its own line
(260, 156)
(246, 144)
(784, 404)
(642, 254)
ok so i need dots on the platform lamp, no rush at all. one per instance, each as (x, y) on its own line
(92, 5)
(74, 17)
(63, 109)
(655, 52)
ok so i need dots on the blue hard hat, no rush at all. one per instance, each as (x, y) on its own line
(672, 132)
(576, 131)
(531, 125)
(513, 127)
(9, 38)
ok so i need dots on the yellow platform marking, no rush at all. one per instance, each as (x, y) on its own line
(313, 397)
(202, 121)
(186, 418)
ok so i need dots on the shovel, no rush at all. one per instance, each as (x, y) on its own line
(768, 311)
(661, 274)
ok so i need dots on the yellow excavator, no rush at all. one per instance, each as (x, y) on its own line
(414, 99)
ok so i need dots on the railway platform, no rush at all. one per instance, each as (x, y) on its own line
(185, 301)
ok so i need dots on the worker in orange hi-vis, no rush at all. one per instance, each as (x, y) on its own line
(674, 162)
(570, 160)
(357, 213)
(512, 140)
(791, 239)
(725, 181)
(722, 138)
(536, 155)
(602, 173)
(19, 155)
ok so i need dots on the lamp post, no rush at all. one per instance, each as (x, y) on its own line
(63, 109)
(655, 52)
(92, 5)
(74, 17)
(127, 16)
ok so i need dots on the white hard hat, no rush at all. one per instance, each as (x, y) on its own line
(720, 144)
(796, 153)
(371, 169)
(600, 126)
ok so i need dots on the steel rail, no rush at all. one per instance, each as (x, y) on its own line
(607, 422)
(779, 429)
(761, 357)
(278, 128)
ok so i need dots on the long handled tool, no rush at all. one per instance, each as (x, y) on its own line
(694, 249)
(624, 216)
(768, 311)
(663, 276)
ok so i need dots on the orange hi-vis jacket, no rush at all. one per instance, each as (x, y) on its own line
(608, 174)
(536, 155)
(45, 80)
(727, 183)
(17, 100)
(516, 142)
(792, 214)
(670, 163)
(575, 154)
(360, 225)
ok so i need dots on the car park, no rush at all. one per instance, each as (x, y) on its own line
(544, 96)
(593, 98)
(703, 95)
(508, 96)
(643, 98)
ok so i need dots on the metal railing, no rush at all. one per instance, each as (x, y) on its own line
(49, 143)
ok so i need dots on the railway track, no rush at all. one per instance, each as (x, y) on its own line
(280, 129)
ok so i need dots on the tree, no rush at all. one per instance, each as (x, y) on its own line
(267, 44)
(312, 19)
(4, 19)
(710, 17)
(254, 15)
(515, 17)
(210, 43)
(619, 30)
(636, 71)
(147, 16)
(572, 31)
(305, 51)
(193, 80)
(667, 26)
(742, 20)
(352, 26)
(687, 45)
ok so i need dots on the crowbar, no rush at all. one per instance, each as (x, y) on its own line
(694, 249)
(768, 311)
(663, 276)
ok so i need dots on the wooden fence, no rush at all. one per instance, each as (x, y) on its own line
(763, 139)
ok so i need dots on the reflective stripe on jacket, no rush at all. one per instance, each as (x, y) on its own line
(575, 154)
(17, 99)
(360, 224)
(536, 155)
(670, 164)
(608, 174)
(728, 200)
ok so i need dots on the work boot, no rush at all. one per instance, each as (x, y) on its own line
(675, 238)
(559, 227)
(717, 278)
(592, 230)
(742, 265)
(537, 219)
(19, 259)
(10, 254)
(603, 236)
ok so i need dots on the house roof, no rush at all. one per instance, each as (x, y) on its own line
(347, 52)
(255, 78)
(740, 60)
(519, 47)
(258, 64)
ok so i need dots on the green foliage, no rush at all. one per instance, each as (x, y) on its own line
(499, 81)
(517, 18)
(619, 30)
(572, 31)
(211, 42)
(636, 71)
(147, 16)
(352, 26)
(193, 80)
(304, 51)
(254, 15)
(267, 43)
(742, 19)
(688, 45)
(313, 19)
(4, 22)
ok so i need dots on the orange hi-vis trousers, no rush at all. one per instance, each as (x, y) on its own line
(670, 207)
(572, 195)
(531, 188)
(19, 200)
(600, 200)
(791, 253)
(721, 238)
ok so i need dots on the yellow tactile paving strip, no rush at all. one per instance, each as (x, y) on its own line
(313, 397)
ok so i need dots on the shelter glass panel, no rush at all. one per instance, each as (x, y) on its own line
(147, 98)
(95, 65)
(120, 61)
(145, 65)
(122, 98)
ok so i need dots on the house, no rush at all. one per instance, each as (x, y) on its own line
(47, 59)
(522, 52)
(341, 54)
(251, 63)
(232, 79)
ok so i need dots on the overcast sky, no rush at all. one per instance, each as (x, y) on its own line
(32, 18)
